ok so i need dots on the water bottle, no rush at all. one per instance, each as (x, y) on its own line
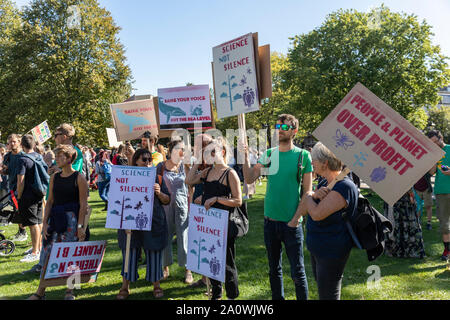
(444, 168)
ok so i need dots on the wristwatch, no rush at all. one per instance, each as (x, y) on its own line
(80, 226)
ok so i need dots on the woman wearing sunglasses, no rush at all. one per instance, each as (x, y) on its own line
(221, 190)
(172, 172)
(153, 242)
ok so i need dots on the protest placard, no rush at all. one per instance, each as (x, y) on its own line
(235, 77)
(130, 198)
(377, 143)
(69, 257)
(132, 119)
(181, 107)
(207, 241)
(112, 139)
(41, 133)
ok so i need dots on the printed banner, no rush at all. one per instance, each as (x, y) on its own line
(130, 198)
(132, 119)
(41, 133)
(207, 242)
(182, 106)
(235, 82)
(66, 258)
(377, 143)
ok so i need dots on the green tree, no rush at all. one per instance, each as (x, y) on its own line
(439, 119)
(390, 53)
(67, 65)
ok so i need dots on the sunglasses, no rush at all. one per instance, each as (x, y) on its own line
(57, 134)
(146, 159)
(284, 127)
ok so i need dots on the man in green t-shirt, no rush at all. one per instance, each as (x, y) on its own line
(442, 191)
(289, 168)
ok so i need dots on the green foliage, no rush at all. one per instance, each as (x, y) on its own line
(64, 73)
(439, 119)
(390, 53)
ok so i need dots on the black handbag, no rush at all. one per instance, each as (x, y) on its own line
(238, 223)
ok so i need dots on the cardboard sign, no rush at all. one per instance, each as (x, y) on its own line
(180, 107)
(41, 133)
(130, 198)
(235, 77)
(132, 119)
(69, 257)
(112, 139)
(377, 143)
(207, 241)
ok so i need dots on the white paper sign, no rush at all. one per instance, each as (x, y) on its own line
(69, 257)
(181, 107)
(207, 242)
(235, 82)
(131, 195)
(112, 138)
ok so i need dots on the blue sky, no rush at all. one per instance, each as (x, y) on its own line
(169, 43)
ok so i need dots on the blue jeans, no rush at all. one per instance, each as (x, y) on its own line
(103, 189)
(276, 233)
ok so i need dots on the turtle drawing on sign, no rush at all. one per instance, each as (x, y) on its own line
(138, 206)
(214, 266)
(248, 97)
(146, 199)
(342, 140)
(141, 221)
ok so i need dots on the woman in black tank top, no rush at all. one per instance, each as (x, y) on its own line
(65, 209)
(221, 190)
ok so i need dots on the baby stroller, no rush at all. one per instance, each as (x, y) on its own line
(8, 213)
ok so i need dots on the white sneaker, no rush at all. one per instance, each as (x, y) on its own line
(31, 258)
(245, 198)
(20, 237)
(28, 251)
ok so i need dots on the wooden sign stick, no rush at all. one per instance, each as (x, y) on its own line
(127, 252)
(340, 177)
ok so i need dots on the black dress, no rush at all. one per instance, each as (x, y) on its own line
(212, 189)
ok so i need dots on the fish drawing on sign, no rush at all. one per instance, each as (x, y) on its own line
(170, 111)
(131, 121)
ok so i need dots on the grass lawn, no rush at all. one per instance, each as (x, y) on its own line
(400, 278)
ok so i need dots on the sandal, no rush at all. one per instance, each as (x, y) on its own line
(188, 278)
(158, 292)
(36, 297)
(123, 294)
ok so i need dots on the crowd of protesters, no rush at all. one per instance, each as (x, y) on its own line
(74, 171)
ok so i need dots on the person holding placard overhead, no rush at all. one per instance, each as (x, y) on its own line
(289, 173)
(153, 242)
(221, 190)
(328, 239)
(65, 210)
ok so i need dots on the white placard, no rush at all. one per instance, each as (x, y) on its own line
(207, 241)
(130, 198)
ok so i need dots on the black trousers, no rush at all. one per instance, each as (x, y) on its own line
(231, 276)
(328, 275)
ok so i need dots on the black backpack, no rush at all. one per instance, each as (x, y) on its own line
(368, 228)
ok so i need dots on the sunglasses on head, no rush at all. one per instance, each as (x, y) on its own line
(284, 127)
